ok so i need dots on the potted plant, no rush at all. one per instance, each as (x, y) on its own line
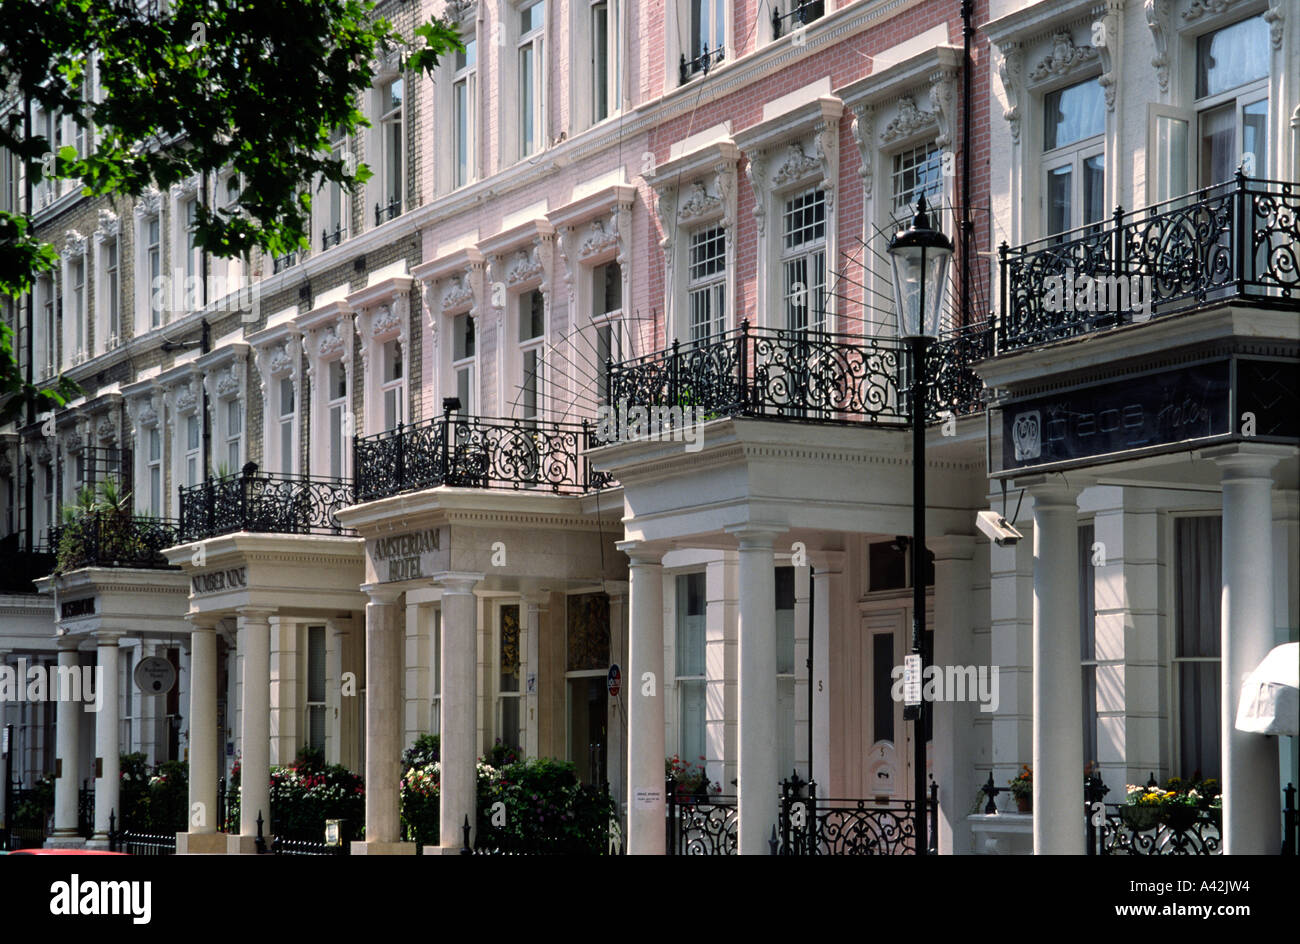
(1022, 788)
(1142, 809)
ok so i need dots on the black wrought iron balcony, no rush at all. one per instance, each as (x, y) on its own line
(798, 15)
(287, 261)
(328, 239)
(390, 211)
(262, 503)
(1235, 242)
(112, 539)
(477, 452)
(19, 565)
(802, 376)
(701, 64)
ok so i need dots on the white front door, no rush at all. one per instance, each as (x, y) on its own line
(887, 739)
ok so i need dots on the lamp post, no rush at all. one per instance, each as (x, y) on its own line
(919, 258)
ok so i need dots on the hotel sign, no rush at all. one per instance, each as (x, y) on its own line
(215, 581)
(405, 556)
(1170, 408)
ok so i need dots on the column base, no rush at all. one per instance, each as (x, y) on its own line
(99, 841)
(72, 841)
(362, 847)
(241, 845)
(201, 843)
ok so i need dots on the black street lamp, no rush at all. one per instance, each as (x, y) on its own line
(919, 257)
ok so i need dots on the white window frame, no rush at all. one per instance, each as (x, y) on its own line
(466, 365)
(328, 341)
(586, 80)
(76, 331)
(709, 287)
(108, 291)
(536, 347)
(1075, 155)
(680, 680)
(1175, 661)
(535, 41)
(394, 386)
(326, 191)
(191, 474)
(1241, 96)
(150, 275)
(465, 77)
(154, 466)
(385, 190)
(513, 738)
(311, 706)
(808, 252)
(47, 337)
(286, 424)
(48, 125)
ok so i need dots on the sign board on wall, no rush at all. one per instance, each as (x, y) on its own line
(406, 556)
(1161, 411)
(154, 675)
(217, 581)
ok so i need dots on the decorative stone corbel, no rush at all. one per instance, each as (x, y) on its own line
(943, 94)
(724, 178)
(1157, 12)
(1011, 72)
(666, 208)
(1111, 38)
(756, 174)
(1274, 17)
(863, 127)
(827, 135)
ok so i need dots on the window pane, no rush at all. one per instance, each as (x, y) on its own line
(192, 431)
(338, 381)
(1232, 56)
(882, 682)
(463, 388)
(587, 632)
(1254, 134)
(532, 315)
(316, 663)
(526, 99)
(785, 620)
(508, 657)
(531, 383)
(1059, 185)
(690, 624)
(805, 218)
(533, 17)
(286, 447)
(1218, 151)
(1094, 188)
(336, 441)
(1072, 114)
(600, 60)
(691, 721)
(460, 97)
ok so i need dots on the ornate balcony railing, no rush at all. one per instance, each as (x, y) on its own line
(328, 239)
(813, 825)
(1237, 241)
(701, 823)
(112, 539)
(701, 64)
(268, 504)
(280, 263)
(804, 376)
(389, 211)
(477, 452)
(801, 13)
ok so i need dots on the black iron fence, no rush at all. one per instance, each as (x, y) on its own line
(799, 13)
(803, 375)
(134, 842)
(388, 211)
(86, 810)
(813, 825)
(700, 823)
(1238, 240)
(259, 502)
(476, 452)
(700, 64)
(113, 539)
(1125, 829)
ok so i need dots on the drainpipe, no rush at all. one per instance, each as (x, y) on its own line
(967, 225)
(30, 487)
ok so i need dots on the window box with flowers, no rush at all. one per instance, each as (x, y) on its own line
(1178, 805)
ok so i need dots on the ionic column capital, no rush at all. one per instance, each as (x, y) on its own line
(455, 582)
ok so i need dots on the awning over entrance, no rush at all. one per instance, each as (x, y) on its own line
(1270, 695)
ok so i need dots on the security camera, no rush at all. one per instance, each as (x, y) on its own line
(997, 529)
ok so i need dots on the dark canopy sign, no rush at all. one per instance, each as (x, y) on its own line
(1168, 408)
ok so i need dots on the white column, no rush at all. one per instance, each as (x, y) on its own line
(532, 611)
(827, 586)
(204, 742)
(1058, 684)
(284, 690)
(645, 701)
(417, 624)
(759, 778)
(108, 761)
(255, 763)
(384, 632)
(68, 747)
(1252, 807)
(459, 685)
(954, 733)
(721, 687)
(616, 753)
(333, 689)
